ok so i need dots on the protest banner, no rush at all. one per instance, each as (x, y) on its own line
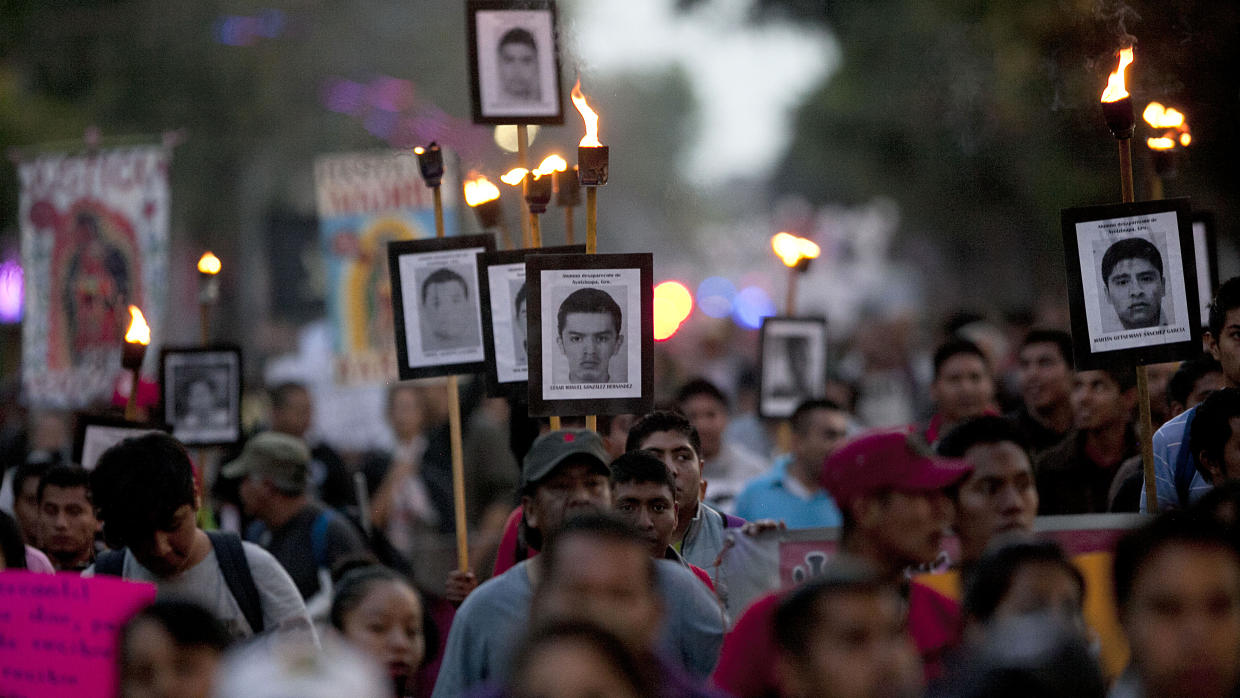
(58, 633)
(366, 200)
(94, 239)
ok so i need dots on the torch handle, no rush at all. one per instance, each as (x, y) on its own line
(592, 422)
(438, 198)
(505, 235)
(555, 423)
(790, 302)
(591, 220)
(131, 404)
(1147, 440)
(204, 322)
(523, 160)
(535, 231)
(1125, 169)
(458, 474)
(568, 225)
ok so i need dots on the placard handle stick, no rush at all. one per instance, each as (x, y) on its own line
(592, 248)
(454, 434)
(568, 225)
(523, 160)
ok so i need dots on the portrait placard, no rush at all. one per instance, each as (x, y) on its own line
(504, 317)
(435, 305)
(200, 390)
(591, 339)
(94, 434)
(1205, 245)
(1132, 283)
(514, 62)
(793, 357)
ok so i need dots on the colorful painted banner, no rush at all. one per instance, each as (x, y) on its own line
(366, 200)
(58, 633)
(94, 240)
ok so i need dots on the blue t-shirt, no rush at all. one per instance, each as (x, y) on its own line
(1168, 441)
(776, 496)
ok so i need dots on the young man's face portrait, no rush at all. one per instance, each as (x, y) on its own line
(589, 340)
(447, 310)
(518, 71)
(1135, 289)
(518, 327)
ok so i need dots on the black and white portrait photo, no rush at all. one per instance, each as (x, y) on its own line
(1134, 267)
(794, 364)
(95, 434)
(202, 395)
(514, 61)
(437, 304)
(593, 336)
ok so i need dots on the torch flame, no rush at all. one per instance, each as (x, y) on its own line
(139, 332)
(1185, 139)
(514, 176)
(1116, 90)
(792, 249)
(1160, 143)
(552, 163)
(418, 150)
(590, 140)
(1158, 116)
(480, 190)
(208, 263)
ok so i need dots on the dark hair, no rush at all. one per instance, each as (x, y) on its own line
(642, 467)
(700, 386)
(987, 429)
(1124, 377)
(634, 672)
(1062, 341)
(188, 623)
(353, 587)
(990, 578)
(955, 347)
(1211, 426)
(1226, 298)
(589, 300)
(138, 485)
(1184, 381)
(65, 477)
(800, 416)
(519, 300)
(281, 392)
(799, 614)
(1134, 550)
(11, 543)
(443, 276)
(663, 420)
(26, 471)
(1130, 248)
(600, 527)
(517, 35)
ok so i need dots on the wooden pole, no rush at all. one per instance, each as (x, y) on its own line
(568, 225)
(523, 160)
(790, 302)
(454, 434)
(131, 404)
(535, 231)
(204, 322)
(591, 220)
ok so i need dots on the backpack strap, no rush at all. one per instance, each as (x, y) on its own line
(110, 563)
(318, 538)
(236, 570)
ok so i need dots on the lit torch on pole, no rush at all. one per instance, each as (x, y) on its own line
(208, 292)
(133, 351)
(592, 162)
(796, 254)
(483, 197)
(538, 188)
(1118, 113)
(430, 162)
(1171, 131)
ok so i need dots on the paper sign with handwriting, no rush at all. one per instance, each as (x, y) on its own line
(58, 632)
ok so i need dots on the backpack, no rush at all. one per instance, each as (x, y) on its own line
(236, 570)
(318, 536)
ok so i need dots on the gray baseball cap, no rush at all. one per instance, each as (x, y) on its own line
(550, 450)
(283, 459)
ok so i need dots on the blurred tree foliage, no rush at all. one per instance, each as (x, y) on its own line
(981, 118)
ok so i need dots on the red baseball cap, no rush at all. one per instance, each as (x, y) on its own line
(888, 459)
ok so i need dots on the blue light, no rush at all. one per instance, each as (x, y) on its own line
(752, 304)
(715, 296)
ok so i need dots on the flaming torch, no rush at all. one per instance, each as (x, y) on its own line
(538, 187)
(1117, 110)
(133, 351)
(796, 254)
(592, 159)
(430, 162)
(1171, 133)
(208, 291)
(568, 197)
(483, 197)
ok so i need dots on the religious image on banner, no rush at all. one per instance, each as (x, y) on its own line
(94, 239)
(366, 200)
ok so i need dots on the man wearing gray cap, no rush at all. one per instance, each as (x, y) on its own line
(306, 537)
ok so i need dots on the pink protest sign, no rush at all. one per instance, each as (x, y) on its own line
(58, 633)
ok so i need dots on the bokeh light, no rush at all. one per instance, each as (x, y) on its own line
(752, 304)
(506, 137)
(715, 296)
(672, 306)
(12, 291)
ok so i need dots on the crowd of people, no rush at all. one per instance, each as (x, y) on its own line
(288, 568)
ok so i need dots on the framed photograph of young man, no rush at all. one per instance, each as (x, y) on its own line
(200, 392)
(591, 335)
(505, 315)
(1205, 245)
(1132, 283)
(514, 62)
(435, 305)
(793, 357)
(94, 434)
